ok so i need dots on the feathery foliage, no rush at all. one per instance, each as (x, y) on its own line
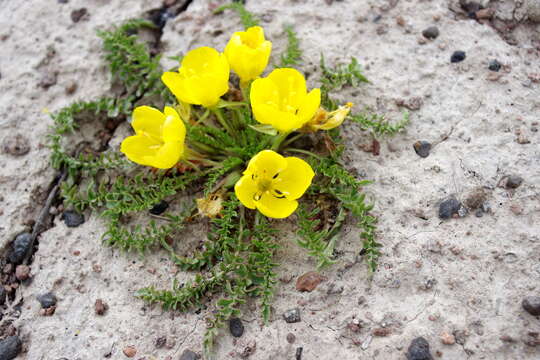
(247, 18)
(292, 55)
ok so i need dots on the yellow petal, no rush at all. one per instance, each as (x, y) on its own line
(310, 105)
(336, 117)
(137, 148)
(173, 128)
(291, 86)
(274, 207)
(245, 190)
(147, 120)
(295, 179)
(167, 156)
(176, 85)
(248, 53)
(282, 121)
(266, 164)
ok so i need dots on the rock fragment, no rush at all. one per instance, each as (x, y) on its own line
(422, 148)
(16, 145)
(47, 300)
(72, 218)
(236, 327)
(531, 304)
(292, 315)
(10, 347)
(449, 207)
(20, 247)
(419, 350)
(130, 351)
(189, 355)
(431, 32)
(309, 281)
(457, 56)
(100, 307)
(448, 339)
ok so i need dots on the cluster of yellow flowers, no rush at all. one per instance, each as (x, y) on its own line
(271, 183)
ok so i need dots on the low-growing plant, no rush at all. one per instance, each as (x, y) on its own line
(236, 148)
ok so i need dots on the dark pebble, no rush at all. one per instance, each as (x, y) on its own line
(470, 7)
(494, 65)
(160, 17)
(72, 218)
(189, 355)
(422, 148)
(431, 32)
(77, 15)
(236, 327)
(298, 355)
(532, 305)
(292, 316)
(448, 208)
(21, 246)
(159, 208)
(10, 347)
(63, 1)
(457, 56)
(513, 181)
(47, 300)
(419, 350)
(16, 145)
(2, 295)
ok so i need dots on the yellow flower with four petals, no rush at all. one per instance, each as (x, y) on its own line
(273, 183)
(202, 79)
(248, 53)
(281, 100)
(158, 140)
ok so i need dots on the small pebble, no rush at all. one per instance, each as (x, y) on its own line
(532, 305)
(70, 88)
(236, 327)
(159, 208)
(20, 247)
(457, 56)
(22, 272)
(422, 148)
(470, 7)
(476, 198)
(100, 307)
(419, 350)
(514, 181)
(431, 32)
(189, 355)
(48, 79)
(130, 351)
(291, 338)
(448, 339)
(298, 354)
(309, 281)
(79, 14)
(448, 208)
(16, 145)
(10, 347)
(160, 342)
(486, 13)
(72, 218)
(47, 300)
(381, 332)
(292, 315)
(494, 65)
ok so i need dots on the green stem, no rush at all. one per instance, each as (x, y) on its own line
(304, 152)
(245, 91)
(278, 140)
(203, 117)
(222, 121)
(293, 139)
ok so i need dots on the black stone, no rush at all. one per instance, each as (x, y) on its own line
(419, 350)
(458, 56)
(236, 327)
(2, 295)
(292, 316)
(79, 14)
(448, 208)
(10, 347)
(513, 181)
(47, 300)
(422, 148)
(494, 65)
(189, 355)
(159, 208)
(20, 247)
(431, 32)
(470, 7)
(298, 354)
(72, 218)
(532, 305)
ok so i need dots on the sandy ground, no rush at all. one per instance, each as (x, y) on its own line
(464, 276)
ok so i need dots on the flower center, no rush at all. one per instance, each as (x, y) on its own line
(264, 185)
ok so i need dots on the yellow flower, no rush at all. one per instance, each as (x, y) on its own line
(248, 53)
(202, 79)
(158, 140)
(324, 120)
(281, 100)
(272, 183)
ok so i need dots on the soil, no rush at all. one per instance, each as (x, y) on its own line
(463, 278)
